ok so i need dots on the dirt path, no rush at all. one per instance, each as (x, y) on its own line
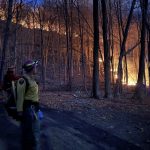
(63, 131)
(66, 131)
(79, 124)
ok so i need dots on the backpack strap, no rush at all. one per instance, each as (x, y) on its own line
(27, 83)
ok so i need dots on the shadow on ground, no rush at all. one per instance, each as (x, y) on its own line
(65, 131)
(62, 130)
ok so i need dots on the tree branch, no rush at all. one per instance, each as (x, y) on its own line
(131, 49)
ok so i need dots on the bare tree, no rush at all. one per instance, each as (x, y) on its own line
(123, 44)
(69, 33)
(111, 39)
(148, 42)
(106, 51)
(6, 37)
(140, 90)
(17, 18)
(83, 57)
(41, 22)
(149, 56)
(95, 50)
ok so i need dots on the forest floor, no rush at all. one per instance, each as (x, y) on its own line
(74, 122)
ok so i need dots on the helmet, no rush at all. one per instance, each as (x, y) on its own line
(29, 65)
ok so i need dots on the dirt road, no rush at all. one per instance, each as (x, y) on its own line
(83, 127)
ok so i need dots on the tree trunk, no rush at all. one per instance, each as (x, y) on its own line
(106, 51)
(42, 51)
(70, 53)
(18, 13)
(141, 88)
(111, 41)
(125, 35)
(149, 59)
(126, 69)
(6, 38)
(69, 45)
(83, 61)
(95, 51)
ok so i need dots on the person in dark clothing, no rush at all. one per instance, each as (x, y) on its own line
(8, 78)
(8, 86)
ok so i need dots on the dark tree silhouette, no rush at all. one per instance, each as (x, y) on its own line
(149, 57)
(95, 51)
(106, 51)
(140, 91)
(123, 44)
(6, 37)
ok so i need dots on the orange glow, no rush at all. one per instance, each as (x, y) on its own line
(130, 83)
(132, 61)
(116, 76)
(100, 60)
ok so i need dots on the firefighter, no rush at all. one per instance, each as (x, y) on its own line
(8, 78)
(28, 107)
(8, 85)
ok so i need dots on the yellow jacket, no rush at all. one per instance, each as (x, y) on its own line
(32, 92)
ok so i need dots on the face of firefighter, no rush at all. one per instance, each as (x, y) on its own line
(35, 70)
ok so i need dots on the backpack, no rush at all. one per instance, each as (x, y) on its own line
(10, 105)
